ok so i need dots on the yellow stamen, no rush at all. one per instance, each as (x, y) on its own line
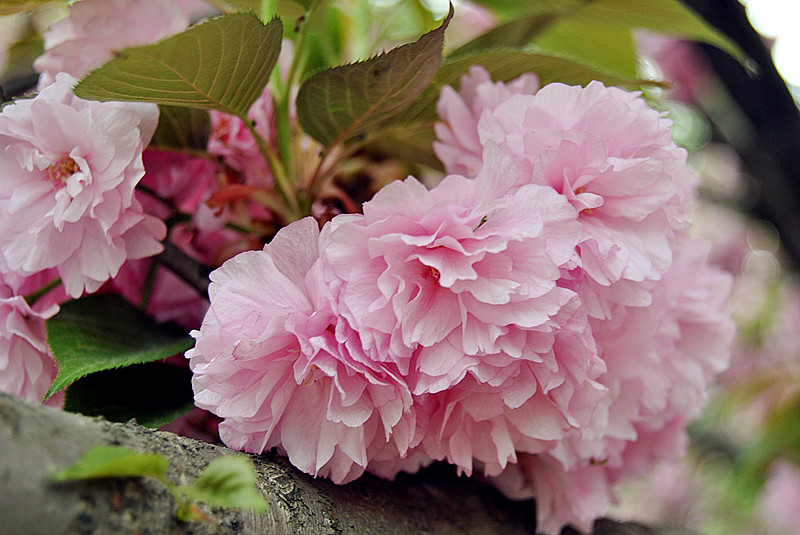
(59, 172)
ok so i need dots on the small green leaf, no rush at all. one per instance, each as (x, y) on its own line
(102, 332)
(221, 64)
(181, 128)
(228, 481)
(154, 394)
(115, 461)
(341, 103)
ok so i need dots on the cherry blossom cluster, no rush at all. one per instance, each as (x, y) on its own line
(540, 315)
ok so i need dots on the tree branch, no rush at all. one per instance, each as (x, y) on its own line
(38, 441)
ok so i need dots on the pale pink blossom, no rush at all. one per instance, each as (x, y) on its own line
(68, 169)
(27, 367)
(458, 143)
(95, 29)
(434, 279)
(457, 287)
(613, 158)
(660, 361)
(274, 359)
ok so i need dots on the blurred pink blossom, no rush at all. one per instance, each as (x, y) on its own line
(67, 176)
(681, 65)
(95, 29)
(779, 503)
(563, 498)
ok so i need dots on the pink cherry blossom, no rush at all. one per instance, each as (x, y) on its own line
(27, 368)
(660, 360)
(67, 174)
(232, 141)
(432, 279)
(95, 29)
(457, 287)
(458, 145)
(275, 361)
(614, 159)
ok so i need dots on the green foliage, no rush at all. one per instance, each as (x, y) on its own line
(347, 101)
(181, 128)
(228, 481)
(222, 64)
(154, 394)
(103, 332)
(115, 461)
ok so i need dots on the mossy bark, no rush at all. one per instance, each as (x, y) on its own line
(37, 441)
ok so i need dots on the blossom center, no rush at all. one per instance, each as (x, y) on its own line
(434, 272)
(59, 172)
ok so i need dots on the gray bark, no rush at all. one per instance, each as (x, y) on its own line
(37, 441)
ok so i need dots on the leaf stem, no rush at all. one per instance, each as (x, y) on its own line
(276, 166)
(31, 298)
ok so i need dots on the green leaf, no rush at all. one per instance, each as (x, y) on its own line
(181, 128)
(115, 461)
(221, 64)
(228, 481)
(609, 48)
(154, 394)
(516, 9)
(347, 101)
(670, 17)
(102, 332)
(519, 32)
(598, 30)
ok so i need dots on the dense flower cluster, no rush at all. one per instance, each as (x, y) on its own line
(540, 314)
